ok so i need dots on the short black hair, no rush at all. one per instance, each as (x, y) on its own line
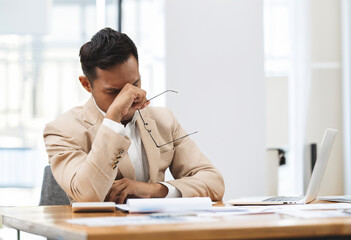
(106, 49)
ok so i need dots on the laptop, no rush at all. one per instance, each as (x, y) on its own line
(313, 186)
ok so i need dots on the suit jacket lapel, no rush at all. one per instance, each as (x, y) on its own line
(92, 115)
(152, 152)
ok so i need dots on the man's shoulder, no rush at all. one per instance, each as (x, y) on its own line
(68, 120)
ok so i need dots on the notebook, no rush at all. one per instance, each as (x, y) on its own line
(313, 186)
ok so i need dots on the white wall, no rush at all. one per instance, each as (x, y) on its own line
(277, 111)
(214, 58)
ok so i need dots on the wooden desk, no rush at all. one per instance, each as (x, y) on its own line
(49, 221)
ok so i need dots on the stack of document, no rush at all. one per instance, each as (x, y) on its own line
(139, 205)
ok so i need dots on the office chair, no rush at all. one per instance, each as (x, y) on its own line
(51, 192)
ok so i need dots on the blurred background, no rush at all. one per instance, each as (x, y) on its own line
(253, 76)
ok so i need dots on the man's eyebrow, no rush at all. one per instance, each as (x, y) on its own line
(118, 90)
(112, 89)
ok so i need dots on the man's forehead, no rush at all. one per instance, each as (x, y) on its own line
(113, 77)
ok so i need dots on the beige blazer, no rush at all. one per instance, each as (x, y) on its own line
(82, 153)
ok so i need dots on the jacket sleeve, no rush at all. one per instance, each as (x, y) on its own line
(84, 175)
(194, 174)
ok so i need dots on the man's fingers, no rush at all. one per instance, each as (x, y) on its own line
(116, 191)
(119, 187)
(124, 188)
(110, 197)
(107, 197)
(141, 104)
(123, 196)
(140, 99)
(146, 104)
(130, 97)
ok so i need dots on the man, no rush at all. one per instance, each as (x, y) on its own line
(103, 151)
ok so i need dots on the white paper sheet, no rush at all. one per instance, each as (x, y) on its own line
(228, 209)
(322, 206)
(317, 214)
(306, 211)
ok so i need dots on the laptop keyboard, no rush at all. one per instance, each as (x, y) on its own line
(283, 199)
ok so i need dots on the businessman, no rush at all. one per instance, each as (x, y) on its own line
(113, 148)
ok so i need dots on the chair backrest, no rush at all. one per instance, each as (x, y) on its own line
(51, 192)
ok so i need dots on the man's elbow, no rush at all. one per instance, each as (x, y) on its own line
(218, 193)
(86, 198)
(85, 195)
(218, 189)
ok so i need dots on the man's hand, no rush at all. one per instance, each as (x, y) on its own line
(124, 188)
(127, 101)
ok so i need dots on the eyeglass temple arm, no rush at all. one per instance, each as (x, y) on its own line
(144, 123)
(174, 139)
(162, 93)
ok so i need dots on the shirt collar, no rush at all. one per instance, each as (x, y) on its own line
(135, 117)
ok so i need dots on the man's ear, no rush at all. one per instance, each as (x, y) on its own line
(85, 83)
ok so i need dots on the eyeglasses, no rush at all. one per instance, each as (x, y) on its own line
(149, 130)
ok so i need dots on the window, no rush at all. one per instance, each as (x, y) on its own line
(39, 69)
(276, 37)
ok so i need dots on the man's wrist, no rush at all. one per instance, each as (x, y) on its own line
(160, 190)
(173, 192)
(114, 116)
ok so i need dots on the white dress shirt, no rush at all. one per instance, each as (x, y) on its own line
(136, 150)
